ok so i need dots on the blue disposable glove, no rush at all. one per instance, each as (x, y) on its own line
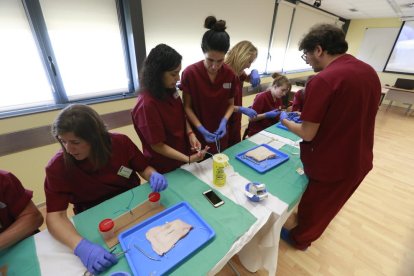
(283, 115)
(248, 111)
(292, 115)
(254, 78)
(295, 117)
(221, 131)
(297, 120)
(272, 114)
(208, 136)
(158, 182)
(94, 257)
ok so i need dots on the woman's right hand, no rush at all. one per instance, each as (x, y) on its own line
(94, 257)
(199, 155)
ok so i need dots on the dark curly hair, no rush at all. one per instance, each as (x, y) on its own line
(161, 59)
(329, 37)
(216, 38)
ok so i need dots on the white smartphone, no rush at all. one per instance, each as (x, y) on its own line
(213, 198)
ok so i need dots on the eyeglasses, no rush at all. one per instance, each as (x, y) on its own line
(304, 56)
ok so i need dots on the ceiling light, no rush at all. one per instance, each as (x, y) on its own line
(317, 3)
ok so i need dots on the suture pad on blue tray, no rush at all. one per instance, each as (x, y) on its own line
(264, 165)
(143, 260)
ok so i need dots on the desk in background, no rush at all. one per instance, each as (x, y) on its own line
(404, 96)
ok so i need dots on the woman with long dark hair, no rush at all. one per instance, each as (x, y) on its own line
(167, 138)
(92, 166)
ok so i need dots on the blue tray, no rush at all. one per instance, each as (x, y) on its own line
(141, 264)
(265, 165)
(279, 125)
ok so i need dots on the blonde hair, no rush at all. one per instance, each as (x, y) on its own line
(280, 80)
(237, 57)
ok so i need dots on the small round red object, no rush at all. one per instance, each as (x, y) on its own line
(154, 197)
(106, 225)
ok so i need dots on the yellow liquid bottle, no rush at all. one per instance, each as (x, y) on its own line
(220, 161)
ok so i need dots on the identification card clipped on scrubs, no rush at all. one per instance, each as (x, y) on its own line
(124, 172)
(227, 85)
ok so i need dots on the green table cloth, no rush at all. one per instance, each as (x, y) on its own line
(230, 221)
(282, 181)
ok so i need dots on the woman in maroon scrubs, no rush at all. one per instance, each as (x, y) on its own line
(19, 216)
(167, 138)
(299, 97)
(209, 87)
(92, 166)
(239, 58)
(268, 104)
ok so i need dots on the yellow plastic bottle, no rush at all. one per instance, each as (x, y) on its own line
(220, 161)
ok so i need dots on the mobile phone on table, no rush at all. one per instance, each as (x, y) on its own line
(213, 198)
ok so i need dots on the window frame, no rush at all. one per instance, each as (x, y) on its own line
(132, 34)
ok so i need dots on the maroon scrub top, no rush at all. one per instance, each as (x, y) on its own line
(209, 99)
(14, 197)
(298, 100)
(161, 121)
(80, 185)
(264, 102)
(234, 125)
(343, 99)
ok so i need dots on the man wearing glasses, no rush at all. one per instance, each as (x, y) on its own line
(337, 130)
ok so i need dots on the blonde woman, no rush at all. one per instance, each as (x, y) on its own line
(239, 58)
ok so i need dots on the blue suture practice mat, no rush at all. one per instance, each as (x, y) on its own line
(141, 264)
(264, 165)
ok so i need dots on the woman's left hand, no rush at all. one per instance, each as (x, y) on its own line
(158, 182)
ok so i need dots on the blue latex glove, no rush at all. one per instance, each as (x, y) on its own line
(208, 136)
(283, 115)
(158, 182)
(254, 78)
(297, 120)
(272, 114)
(221, 131)
(248, 111)
(94, 257)
(295, 117)
(292, 115)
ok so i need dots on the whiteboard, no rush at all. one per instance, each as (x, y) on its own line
(377, 45)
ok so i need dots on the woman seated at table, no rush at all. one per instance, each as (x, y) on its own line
(168, 140)
(268, 104)
(19, 216)
(92, 166)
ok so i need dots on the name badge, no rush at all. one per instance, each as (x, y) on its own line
(227, 85)
(176, 95)
(124, 172)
